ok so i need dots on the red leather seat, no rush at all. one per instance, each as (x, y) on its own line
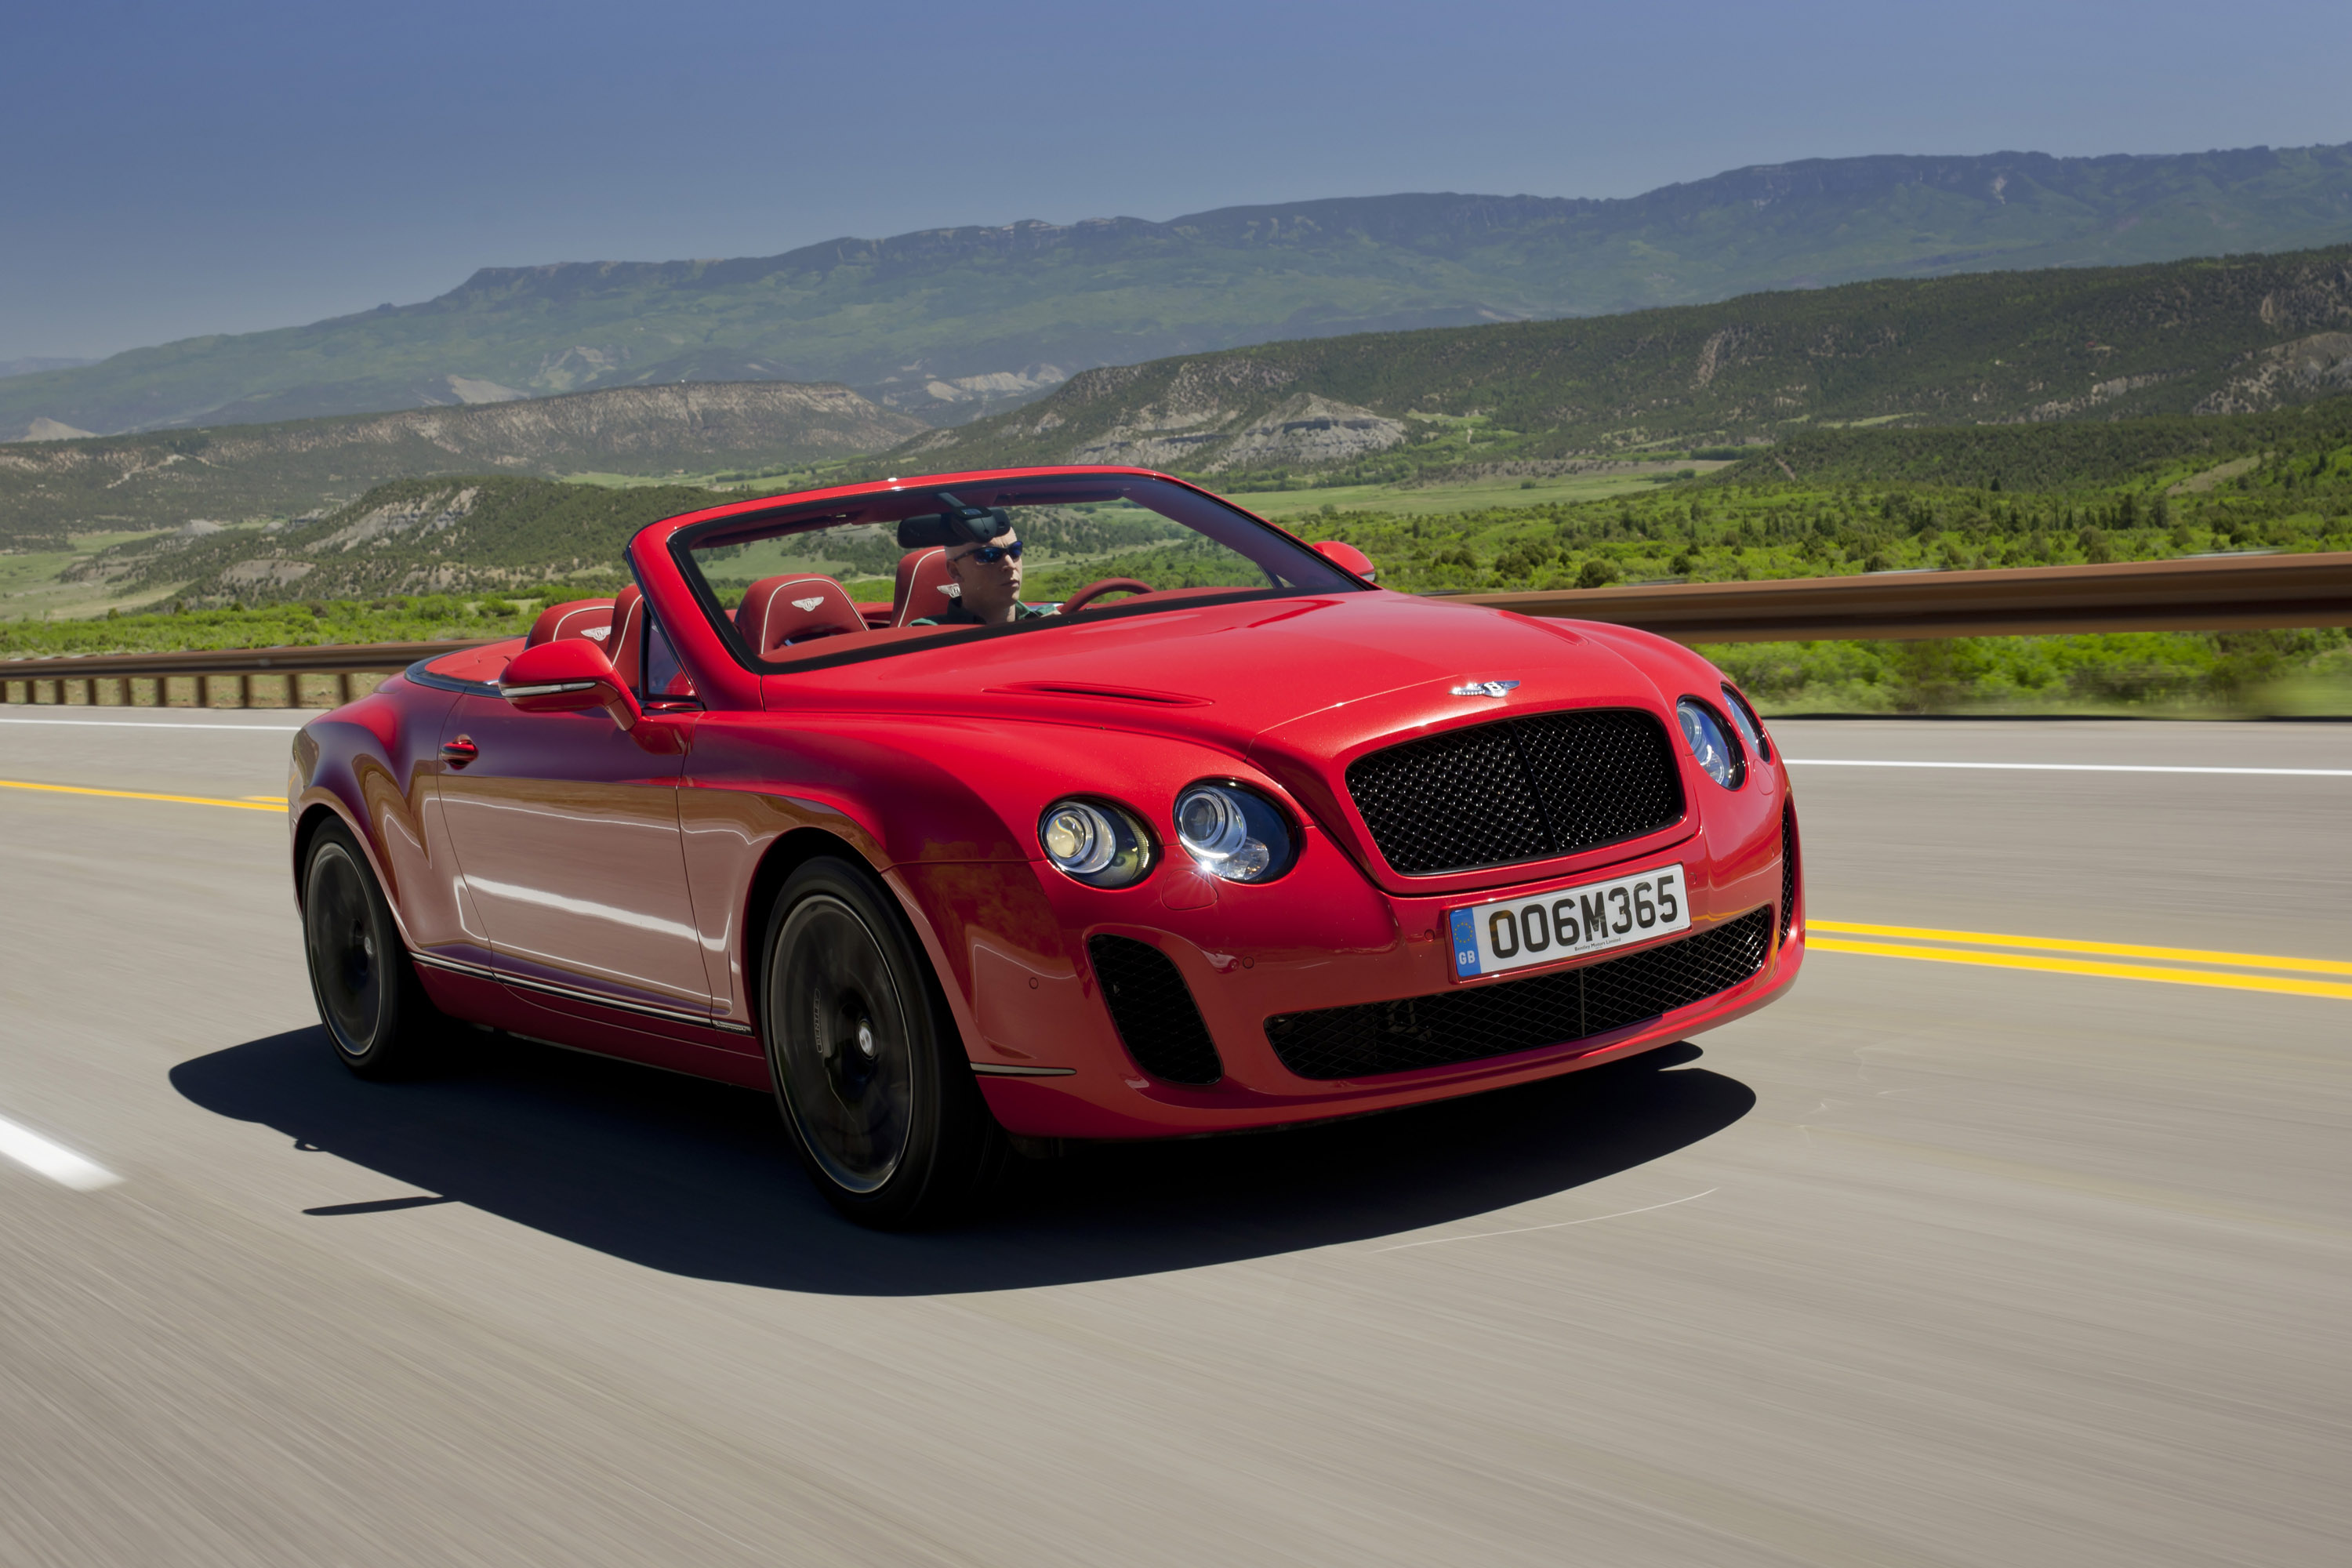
(779, 611)
(626, 645)
(923, 584)
(572, 618)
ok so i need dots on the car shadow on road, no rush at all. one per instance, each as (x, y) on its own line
(697, 1179)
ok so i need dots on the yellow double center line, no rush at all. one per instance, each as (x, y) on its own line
(2052, 955)
(2047, 955)
(274, 803)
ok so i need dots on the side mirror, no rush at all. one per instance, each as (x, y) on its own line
(1349, 557)
(570, 675)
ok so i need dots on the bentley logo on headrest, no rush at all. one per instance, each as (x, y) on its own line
(1483, 688)
(808, 603)
(598, 633)
(952, 590)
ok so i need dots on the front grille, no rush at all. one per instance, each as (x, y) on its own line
(1521, 789)
(1495, 1020)
(1154, 1011)
(1788, 866)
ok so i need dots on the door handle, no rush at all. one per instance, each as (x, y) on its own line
(459, 752)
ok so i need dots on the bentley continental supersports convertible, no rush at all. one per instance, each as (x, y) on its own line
(1195, 827)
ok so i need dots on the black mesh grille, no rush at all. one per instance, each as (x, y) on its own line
(1787, 867)
(1154, 1011)
(1520, 1014)
(1523, 789)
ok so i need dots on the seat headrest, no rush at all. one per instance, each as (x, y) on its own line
(591, 618)
(626, 645)
(923, 586)
(779, 611)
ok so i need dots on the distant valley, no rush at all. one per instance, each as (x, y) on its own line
(51, 490)
(949, 324)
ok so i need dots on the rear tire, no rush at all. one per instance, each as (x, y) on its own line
(374, 1009)
(870, 1074)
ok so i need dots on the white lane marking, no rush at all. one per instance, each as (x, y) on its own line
(1557, 1225)
(2073, 767)
(54, 1161)
(150, 724)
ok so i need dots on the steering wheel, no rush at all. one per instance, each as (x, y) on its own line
(1093, 591)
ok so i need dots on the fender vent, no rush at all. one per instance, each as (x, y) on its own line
(1787, 867)
(1153, 1009)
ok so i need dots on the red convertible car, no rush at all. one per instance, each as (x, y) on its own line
(1192, 828)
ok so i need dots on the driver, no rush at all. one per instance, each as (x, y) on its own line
(988, 584)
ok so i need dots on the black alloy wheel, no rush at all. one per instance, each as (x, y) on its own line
(369, 997)
(870, 1074)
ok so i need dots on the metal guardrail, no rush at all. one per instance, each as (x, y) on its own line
(2214, 592)
(206, 667)
(2230, 593)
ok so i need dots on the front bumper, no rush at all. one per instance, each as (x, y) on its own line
(1052, 1062)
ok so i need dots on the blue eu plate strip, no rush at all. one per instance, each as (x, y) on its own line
(1465, 943)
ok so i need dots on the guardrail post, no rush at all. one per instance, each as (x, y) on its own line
(123, 691)
(342, 687)
(245, 691)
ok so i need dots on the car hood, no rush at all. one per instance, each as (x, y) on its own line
(1301, 677)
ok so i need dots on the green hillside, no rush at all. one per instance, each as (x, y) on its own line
(950, 321)
(1857, 500)
(2238, 334)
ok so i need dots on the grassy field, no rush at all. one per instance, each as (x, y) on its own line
(32, 583)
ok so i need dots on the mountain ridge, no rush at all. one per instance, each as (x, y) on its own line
(947, 322)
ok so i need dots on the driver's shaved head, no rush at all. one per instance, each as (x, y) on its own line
(988, 577)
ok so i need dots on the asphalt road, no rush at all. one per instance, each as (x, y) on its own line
(1935, 1263)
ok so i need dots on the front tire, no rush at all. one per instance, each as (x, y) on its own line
(870, 1074)
(374, 1009)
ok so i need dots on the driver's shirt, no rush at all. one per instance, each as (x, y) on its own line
(957, 616)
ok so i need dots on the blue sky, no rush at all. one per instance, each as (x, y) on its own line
(183, 168)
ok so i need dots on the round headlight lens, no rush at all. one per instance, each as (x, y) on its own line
(1232, 833)
(1751, 728)
(1717, 755)
(1098, 844)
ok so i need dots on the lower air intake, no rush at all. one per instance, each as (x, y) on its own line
(1480, 1021)
(1154, 1011)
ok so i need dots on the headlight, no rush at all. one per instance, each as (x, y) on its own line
(1232, 833)
(1751, 728)
(1097, 842)
(1719, 755)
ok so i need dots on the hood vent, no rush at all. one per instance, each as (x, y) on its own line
(1100, 693)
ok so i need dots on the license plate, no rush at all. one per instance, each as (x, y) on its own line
(1512, 933)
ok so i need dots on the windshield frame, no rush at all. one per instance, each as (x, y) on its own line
(754, 523)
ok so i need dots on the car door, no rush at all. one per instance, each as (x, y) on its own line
(567, 837)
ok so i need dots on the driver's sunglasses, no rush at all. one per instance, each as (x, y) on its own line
(990, 554)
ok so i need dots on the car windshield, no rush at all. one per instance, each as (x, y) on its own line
(927, 564)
